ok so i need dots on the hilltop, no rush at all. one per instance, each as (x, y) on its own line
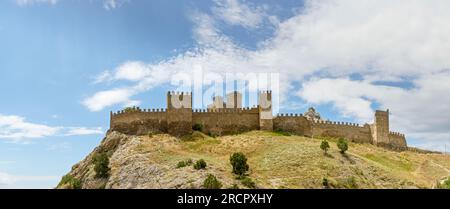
(276, 160)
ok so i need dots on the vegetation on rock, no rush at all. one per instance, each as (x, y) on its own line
(101, 162)
(69, 182)
(211, 182)
(184, 163)
(200, 164)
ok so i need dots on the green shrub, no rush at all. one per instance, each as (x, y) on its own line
(184, 163)
(324, 146)
(197, 127)
(200, 164)
(280, 132)
(101, 162)
(235, 186)
(239, 163)
(211, 182)
(325, 182)
(342, 144)
(248, 182)
(445, 184)
(212, 134)
(70, 181)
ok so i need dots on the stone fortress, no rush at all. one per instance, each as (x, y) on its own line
(222, 118)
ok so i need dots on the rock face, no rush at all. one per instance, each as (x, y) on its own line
(276, 161)
(132, 166)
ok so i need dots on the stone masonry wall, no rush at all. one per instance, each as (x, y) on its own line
(350, 131)
(227, 121)
(397, 141)
(293, 123)
(139, 122)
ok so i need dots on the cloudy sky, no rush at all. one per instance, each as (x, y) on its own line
(64, 64)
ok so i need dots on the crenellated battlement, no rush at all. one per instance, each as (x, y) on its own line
(227, 110)
(396, 134)
(337, 123)
(179, 117)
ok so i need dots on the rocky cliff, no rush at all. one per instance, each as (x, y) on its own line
(275, 160)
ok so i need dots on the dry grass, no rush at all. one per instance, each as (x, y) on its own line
(279, 161)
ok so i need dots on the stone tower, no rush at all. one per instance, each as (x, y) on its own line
(380, 128)
(234, 100)
(265, 110)
(179, 113)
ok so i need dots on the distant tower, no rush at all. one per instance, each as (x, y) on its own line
(179, 113)
(234, 100)
(265, 110)
(380, 128)
(217, 103)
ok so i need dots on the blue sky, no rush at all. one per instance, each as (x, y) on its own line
(64, 64)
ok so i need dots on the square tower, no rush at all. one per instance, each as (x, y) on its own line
(179, 113)
(265, 110)
(380, 128)
(234, 100)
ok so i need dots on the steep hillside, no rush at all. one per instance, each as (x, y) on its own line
(275, 160)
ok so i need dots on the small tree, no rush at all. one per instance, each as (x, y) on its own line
(239, 163)
(101, 162)
(211, 182)
(200, 164)
(324, 146)
(342, 144)
(197, 127)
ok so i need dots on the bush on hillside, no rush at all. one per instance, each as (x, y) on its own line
(200, 164)
(197, 127)
(101, 162)
(211, 182)
(70, 182)
(342, 144)
(324, 146)
(239, 163)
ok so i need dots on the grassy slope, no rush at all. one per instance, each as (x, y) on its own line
(278, 161)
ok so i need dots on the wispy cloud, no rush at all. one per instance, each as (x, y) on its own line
(236, 12)
(387, 43)
(31, 2)
(18, 129)
(15, 181)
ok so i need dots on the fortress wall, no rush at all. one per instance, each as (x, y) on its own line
(397, 141)
(227, 121)
(179, 121)
(351, 131)
(139, 122)
(292, 123)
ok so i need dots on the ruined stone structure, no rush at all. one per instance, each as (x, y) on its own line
(228, 117)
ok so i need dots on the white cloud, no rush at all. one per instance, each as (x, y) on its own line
(17, 129)
(15, 181)
(235, 12)
(113, 4)
(404, 41)
(78, 131)
(31, 2)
